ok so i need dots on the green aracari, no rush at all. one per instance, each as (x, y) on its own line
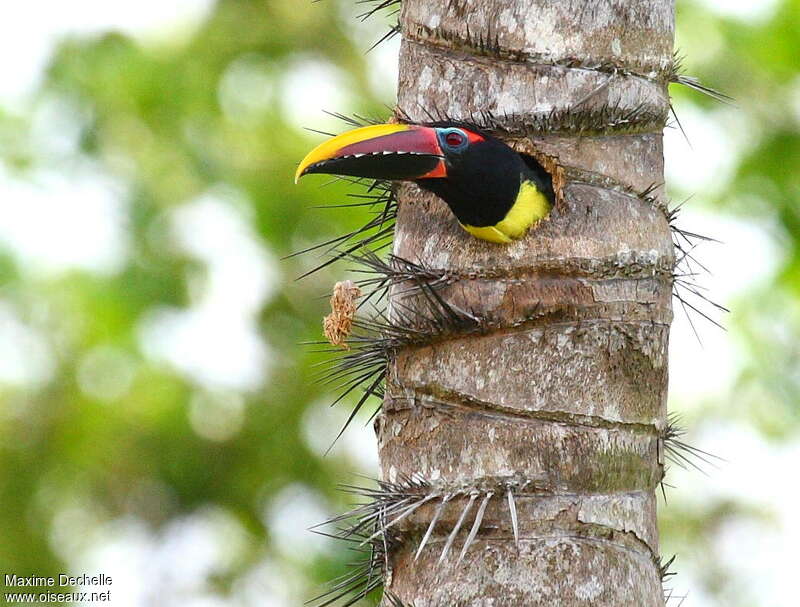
(494, 193)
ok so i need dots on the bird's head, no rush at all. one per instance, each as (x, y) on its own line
(477, 175)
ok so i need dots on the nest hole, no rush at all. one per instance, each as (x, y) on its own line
(552, 173)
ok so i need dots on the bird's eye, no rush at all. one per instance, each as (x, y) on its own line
(454, 139)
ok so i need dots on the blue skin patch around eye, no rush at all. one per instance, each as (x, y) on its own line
(443, 133)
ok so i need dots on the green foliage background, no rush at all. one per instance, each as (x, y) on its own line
(78, 468)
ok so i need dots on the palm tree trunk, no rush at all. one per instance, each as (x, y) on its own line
(540, 431)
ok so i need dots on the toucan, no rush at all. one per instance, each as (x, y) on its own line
(495, 194)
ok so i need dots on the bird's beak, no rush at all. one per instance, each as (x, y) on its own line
(379, 151)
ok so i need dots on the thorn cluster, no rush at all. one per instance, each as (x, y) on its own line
(608, 118)
(365, 529)
(682, 454)
(375, 6)
(373, 341)
(396, 274)
(487, 44)
(375, 235)
(665, 574)
(364, 576)
(393, 31)
(691, 295)
(390, 503)
(663, 568)
(677, 76)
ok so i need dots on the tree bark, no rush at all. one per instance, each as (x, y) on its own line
(560, 398)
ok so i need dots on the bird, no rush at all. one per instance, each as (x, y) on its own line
(495, 194)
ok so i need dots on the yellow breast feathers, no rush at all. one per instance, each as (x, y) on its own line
(531, 206)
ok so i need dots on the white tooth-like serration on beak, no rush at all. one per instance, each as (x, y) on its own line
(384, 153)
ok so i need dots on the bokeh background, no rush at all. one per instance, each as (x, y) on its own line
(158, 420)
